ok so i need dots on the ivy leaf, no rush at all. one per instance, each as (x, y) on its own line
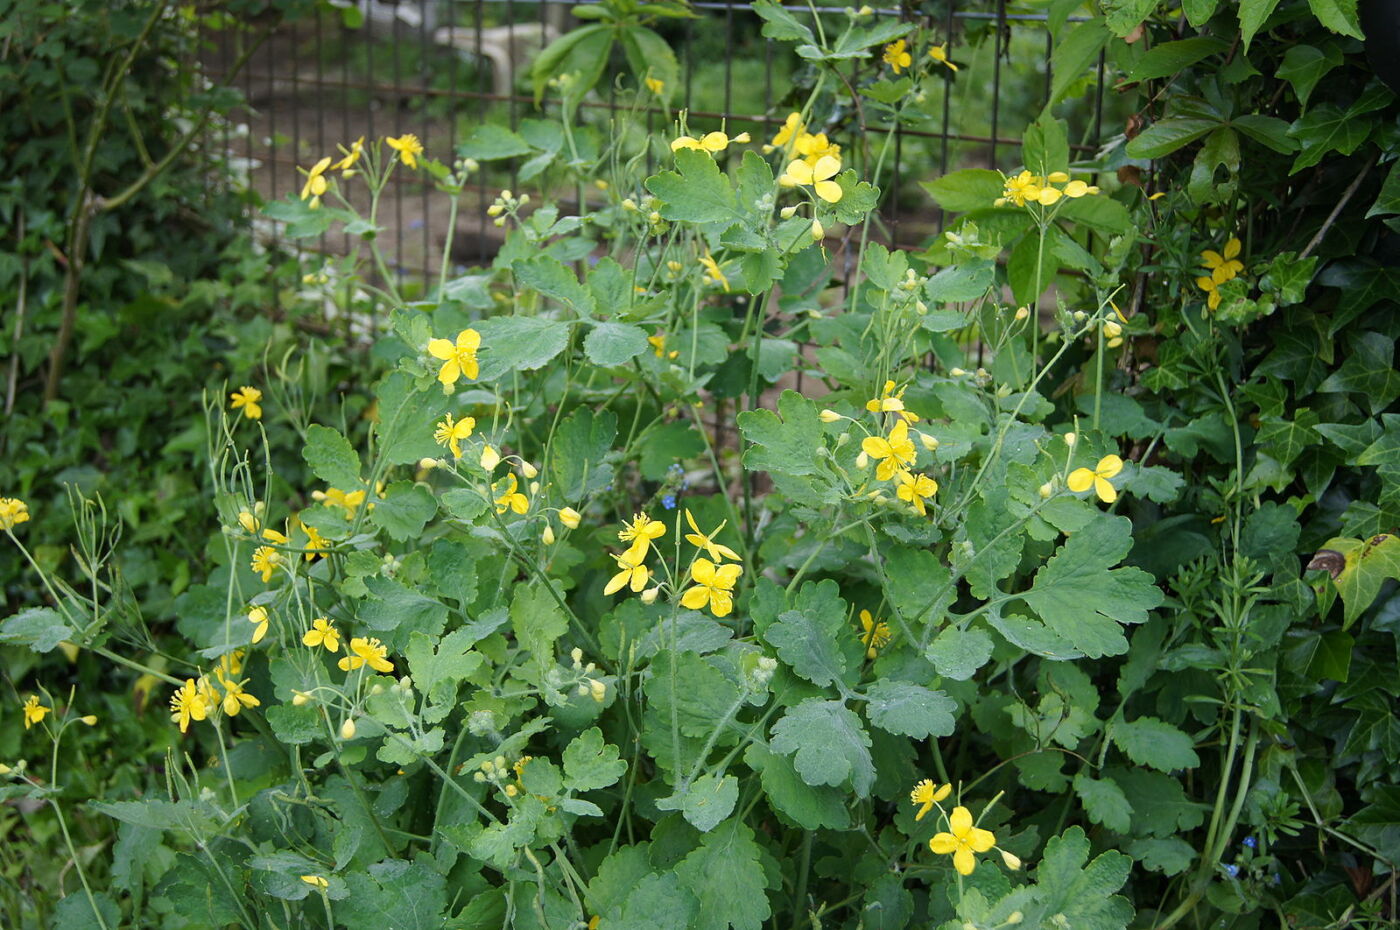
(830, 744)
(1365, 567)
(907, 709)
(1083, 600)
(1304, 65)
(590, 763)
(696, 192)
(785, 442)
(1368, 370)
(332, 458)
(1104, 802)
(726, 877)
(1154, 743)
(705, 802)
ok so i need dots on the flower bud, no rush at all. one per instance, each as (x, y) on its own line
(1070, 439)
(427, 464)
(577, 655)
(512, 791)
(650, 594)
(1112, 330)
(1022, 313)
(957, 372)
(818, 232)
(597, 689)
(1012, 861)
(629, 205)
(928, 442)
(1047, 489)
(583, 690)
(570, 517)
(654, 217)
(490, 458)
(862, 460)
(534, 488)
(506, 194)
(547, 537)
(300, 698)
(5, 769)
(90, 720)
(347, 729)
(478, 778)
(528, 470)
(787, 212)
(495, 210)
(500, 763)
(830, 416)
(1016, 917)
(524, 199)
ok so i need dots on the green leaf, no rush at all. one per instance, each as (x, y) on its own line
(1166, 136)
(75, 911)
(785, 442)
(332, 458)
(858, 198)
(1083, 600)
(537, 620)
(968, 189)
(406, 413)
(809, 641)
(39, 628)
(1079, 895)
(960, 283)
(394, 608)
(1339, 16)
(958, 654)
(650, 56)
(919, 585)
(1154, 743)
(1253, 13)
(1169, 855)
(705, 802)
(1104, 802)
(1101, 214)
(697, 192)
(1159, 804)
(552, 278)
(656, 902)
(610, 344)
(1368, 370)
(489, 142)
(590, 763)
(404, 510)
(1266, 130)
(1366, 566)
(907, 709)
(1388, 200)
(779, 24)
(1031, 267)
(831, 746)
(394, 893)
(1123, 16)
(519, 343)
(1074, 56)
(437, 669)
(577, 455)
(1199, 11)
(811, 808)
(1304, 65)
(1172, 57)
(726, 877)
(1045, 148)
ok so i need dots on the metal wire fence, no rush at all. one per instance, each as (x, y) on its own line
(441, 67)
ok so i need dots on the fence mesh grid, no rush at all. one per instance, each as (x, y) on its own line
(441, 67)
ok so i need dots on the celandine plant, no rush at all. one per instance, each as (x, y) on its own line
(596, 623)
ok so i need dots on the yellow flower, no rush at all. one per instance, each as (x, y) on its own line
(655, 85)
(33, 711)
(352, 155)
(570, 517)
(962, 841)
(408, 147)
(1021, 188)
(713, 272)
(230, 665)
(817, 176)
(235, 698)
(811, 148)
(316, 544)
(926, 794)
(631, 572)
(349, 502)
(876, 635)
(894, 452)
(640, 532)
(790, 131)
(896, 56)
(658, 342)
(1077, 189)
(316, 880)
(315, 185)
(246, 398)
(1081, 479)
(322, 633)
(187, 703)
(451, 432)
(258, 617)
(510, 497)
(365, 651)
(714, 585)
(1207, 284)
(13, 512)
(915, 489)
(1223, 267)
(274, 537)
(265, 561)
(716, 551)
(891, 402)
(458, 359)
(939, 53)
(712, 142)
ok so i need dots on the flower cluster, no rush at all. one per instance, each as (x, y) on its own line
(963, 839)
(898, 56)
(714, 579)
(632, 570)
(199, 698)
(813, 160)
(1027, 188)
(712, 142)
(894, 452)
(13, 512)
(1220, 267)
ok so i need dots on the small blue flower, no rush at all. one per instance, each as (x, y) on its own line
(669, 502)
(675, 468)
(1251, 842)
(1233, 871)
(1278, 879)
